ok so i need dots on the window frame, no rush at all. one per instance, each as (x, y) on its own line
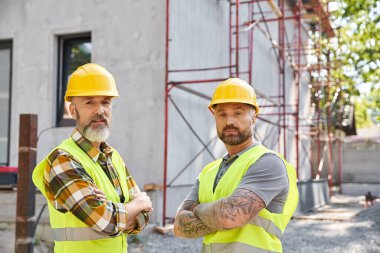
(8, 44)
(64, 42)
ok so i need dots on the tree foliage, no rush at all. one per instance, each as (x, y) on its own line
(367, 109)
(358, 42)
(352, 60)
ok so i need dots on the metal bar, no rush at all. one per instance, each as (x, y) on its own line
(282, 100)
(26, 198)
(197, 81)
(276, 19)
(250, 1)
(275, 105)
(250, 27)
(329, 160)
(268, 121)
(166, 111)
(191, 128)
(197, 93)
(298, 84)
(240, 48)
(230, 39)
(250, 44)
(340, 164)
(199, 69)
(278, 114)
(180, 185)
(237, 37)
(191, 161)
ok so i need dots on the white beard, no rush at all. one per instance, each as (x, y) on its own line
(99, 134)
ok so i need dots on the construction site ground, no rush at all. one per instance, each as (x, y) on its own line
(344, 225)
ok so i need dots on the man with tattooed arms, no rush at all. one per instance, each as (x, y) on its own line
(242, 202)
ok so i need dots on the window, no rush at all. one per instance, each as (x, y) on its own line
(5, 99)
(74, 51)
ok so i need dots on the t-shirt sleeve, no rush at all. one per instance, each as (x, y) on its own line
(267, 177)
(193, 195)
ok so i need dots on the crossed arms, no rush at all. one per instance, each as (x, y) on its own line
(195, 220)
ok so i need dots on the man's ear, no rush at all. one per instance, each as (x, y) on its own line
(253, 117)
(73, 111)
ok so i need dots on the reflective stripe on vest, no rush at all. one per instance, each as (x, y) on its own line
(232, 247)
(268, 225)
(78, 234)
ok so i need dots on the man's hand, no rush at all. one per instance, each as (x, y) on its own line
(187, 225)
(139, 203)
(141, 200)
(100, 195)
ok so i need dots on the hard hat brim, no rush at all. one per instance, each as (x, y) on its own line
(233, 100)
(74, 93)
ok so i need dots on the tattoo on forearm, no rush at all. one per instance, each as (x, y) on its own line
(188, 205)
(192, 227)
(187, 225)
(230, 212)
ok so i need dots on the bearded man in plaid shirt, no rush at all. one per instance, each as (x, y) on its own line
(93, 200)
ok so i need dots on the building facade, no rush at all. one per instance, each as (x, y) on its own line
(42, 42)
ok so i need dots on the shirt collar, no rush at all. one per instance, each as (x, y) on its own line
(227, 157)
(87, 147)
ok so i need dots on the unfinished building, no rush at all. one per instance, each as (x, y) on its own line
(166, 57)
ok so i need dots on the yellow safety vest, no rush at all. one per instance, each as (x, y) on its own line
(71, 235)
(263, 233)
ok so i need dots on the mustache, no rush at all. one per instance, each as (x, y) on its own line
(230, 128)
(101, 117)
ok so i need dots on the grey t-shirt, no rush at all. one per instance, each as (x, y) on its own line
(267, 178)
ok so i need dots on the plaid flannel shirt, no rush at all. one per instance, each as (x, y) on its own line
(70, 188)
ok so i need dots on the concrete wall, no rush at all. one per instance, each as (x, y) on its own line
(128, 38)
(361, 166)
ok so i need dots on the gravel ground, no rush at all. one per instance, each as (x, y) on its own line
(359, 234)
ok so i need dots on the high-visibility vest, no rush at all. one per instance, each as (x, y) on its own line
(263, 233)
(71, 234)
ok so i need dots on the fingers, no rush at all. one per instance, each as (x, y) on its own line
(143, 201)
(100, 195)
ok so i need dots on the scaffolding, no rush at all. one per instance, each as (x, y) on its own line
(308, 20)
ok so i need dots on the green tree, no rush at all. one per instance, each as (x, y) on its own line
(367, 109)
(357, 25)
(352, 60)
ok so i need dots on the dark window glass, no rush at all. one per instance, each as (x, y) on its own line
(5, 99)
(74, 51)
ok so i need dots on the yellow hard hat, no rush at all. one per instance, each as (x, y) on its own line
(91, 80)
(234, 90)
